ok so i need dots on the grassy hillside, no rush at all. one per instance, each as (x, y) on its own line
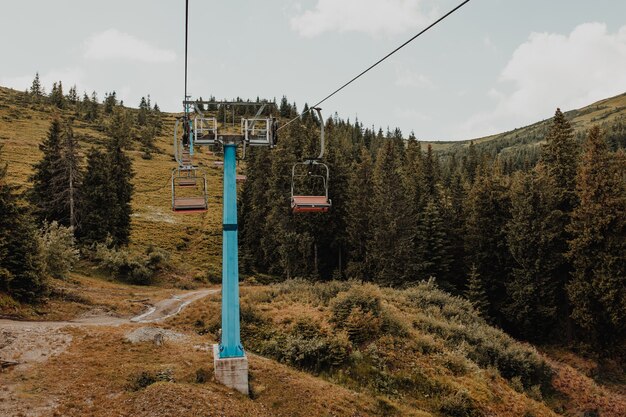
(608, 112)
(327, 349)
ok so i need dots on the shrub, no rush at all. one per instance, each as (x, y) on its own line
(308, 347)
(58, 249)
(202, 376)
(136, 269)
(141, 381)
(459, 404)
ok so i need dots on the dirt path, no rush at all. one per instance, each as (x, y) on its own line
(30, 342)
(34, 341)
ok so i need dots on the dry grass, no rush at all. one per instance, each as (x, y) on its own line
(114, 363)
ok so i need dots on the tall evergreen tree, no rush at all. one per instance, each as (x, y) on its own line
(533, 293)
(476, 293)
(68, 176)
(488, 212)
(98, 199)
(390, 247)
(359, 215)
(21, 266)
(43, 195)
(56, 96)
(120, 173)
(56, 178)
(598, 246)
(557, 174)
(35, 88)
(432, 254)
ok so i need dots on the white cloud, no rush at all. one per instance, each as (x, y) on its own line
(552, 70)
(113, 44)
(374, 17)
(405, 77)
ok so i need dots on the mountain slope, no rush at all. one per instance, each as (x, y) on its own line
(609, 113)
(417, 352)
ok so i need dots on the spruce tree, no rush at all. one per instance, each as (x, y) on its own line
(143, 113)
(21, 266)
(68, 176)
(390, 245)
(432, 254)
(476, 293)
(120, 174)
(359, 208)
(533, 293)
(35, 88)
(488, 212)
(598, 246)
(557, 174)
(98, 199)
(56, 178)
(43, 195)
(56, 96)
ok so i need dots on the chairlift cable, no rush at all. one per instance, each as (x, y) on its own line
(377, 62)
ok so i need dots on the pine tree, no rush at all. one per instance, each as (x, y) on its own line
(143, 113)
(557, 174)
(56, 96)
(476, 293)
(72, 95)
(430, 169)
(285, 108)
(120, 173)
(56, 178)
(488, 212)
(21, 267)
(68, 177)
(98, 199)
(35, 88)
(560, 156)
(598, 246)
(390, 247)
(110, 101)
(43, 195)
(432, 254)
(533, 293)
(359, 215)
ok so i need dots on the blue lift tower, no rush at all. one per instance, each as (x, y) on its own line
(230, 361)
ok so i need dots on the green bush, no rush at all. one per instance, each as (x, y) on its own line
(58, 249)
(136, 269)
(459, 404)
(308, 347)
(454, 321)
(359, 312)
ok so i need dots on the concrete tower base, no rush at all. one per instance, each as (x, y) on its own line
(232, 372)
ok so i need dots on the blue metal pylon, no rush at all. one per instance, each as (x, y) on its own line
(230, 346)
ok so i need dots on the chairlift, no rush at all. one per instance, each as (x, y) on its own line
(189, 190)
(311, 203)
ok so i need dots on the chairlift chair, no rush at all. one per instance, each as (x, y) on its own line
(194, 199)
(318, 203)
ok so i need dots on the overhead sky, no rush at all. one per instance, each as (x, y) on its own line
(492, 66)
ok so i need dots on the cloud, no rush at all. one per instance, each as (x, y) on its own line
(113, 44)
(374, 17)
(552, 70)
(405, 77)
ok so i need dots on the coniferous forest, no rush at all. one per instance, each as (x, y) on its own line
(537, 246)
